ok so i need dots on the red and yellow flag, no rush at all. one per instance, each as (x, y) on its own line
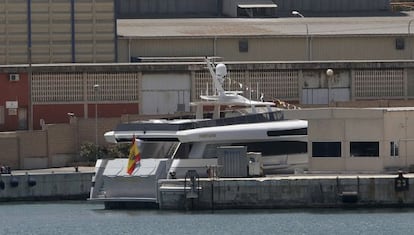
(134, 156)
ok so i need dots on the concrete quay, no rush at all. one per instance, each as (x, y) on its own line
(46, 184)
(292, 191)
(278, 191)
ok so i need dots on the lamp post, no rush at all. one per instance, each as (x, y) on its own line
(409, 34)
(95, 90)
(329, 74)
(307, 33)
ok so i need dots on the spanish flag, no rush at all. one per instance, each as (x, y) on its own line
(134, 156)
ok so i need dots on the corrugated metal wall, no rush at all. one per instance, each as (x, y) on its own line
(167, 47)
(262, 49)
(202, 8)
(259, 49)
(13, 28)
(51, 31)
(170, 8)
(57, 31)
(358, 48)
(332, 5)
(94, 31)
(271, 49)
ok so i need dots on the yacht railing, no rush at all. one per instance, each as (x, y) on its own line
(244, 119)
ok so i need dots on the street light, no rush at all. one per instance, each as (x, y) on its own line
(329, 74)
(297, 13)
(307, 33)
(409, 34)
(95, 90)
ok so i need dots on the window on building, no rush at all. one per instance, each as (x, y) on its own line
(394, 149)
(399, 43)
(364, 149)
(243, 45)
(326, 149)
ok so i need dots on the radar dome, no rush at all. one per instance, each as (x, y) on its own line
(221, 70)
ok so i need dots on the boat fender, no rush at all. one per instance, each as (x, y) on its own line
(31, 181)
(14, 182)
(2, 185)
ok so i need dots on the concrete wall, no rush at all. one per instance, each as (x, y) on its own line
(9, 154)
(62, 145)
(86, 129)
(33, 150)
(288, 192)
(399, 127)
(55, 186)
(56, 146)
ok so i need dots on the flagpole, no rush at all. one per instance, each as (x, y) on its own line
(96, 89)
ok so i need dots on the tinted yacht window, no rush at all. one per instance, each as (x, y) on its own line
(302, 131)
(266, 148)
(276, 147)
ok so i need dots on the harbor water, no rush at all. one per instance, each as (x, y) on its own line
(76, 217)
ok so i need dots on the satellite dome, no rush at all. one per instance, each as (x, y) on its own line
(221, 70)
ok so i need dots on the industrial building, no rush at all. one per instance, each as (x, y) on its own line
(96, 31)
(54, 52)
(146, 58)
(359, 140)
(168, 88)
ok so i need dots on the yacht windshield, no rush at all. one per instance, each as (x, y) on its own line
(157, 149)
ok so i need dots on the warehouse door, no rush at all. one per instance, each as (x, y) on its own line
(22, 114)
(325, 96)
(165, 94)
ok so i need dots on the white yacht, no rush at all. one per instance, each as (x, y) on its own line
(282, 143)
(170, 148)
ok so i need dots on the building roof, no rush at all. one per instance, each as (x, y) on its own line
(252, 27)
(338, 112)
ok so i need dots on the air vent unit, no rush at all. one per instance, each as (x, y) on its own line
(13, 77)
